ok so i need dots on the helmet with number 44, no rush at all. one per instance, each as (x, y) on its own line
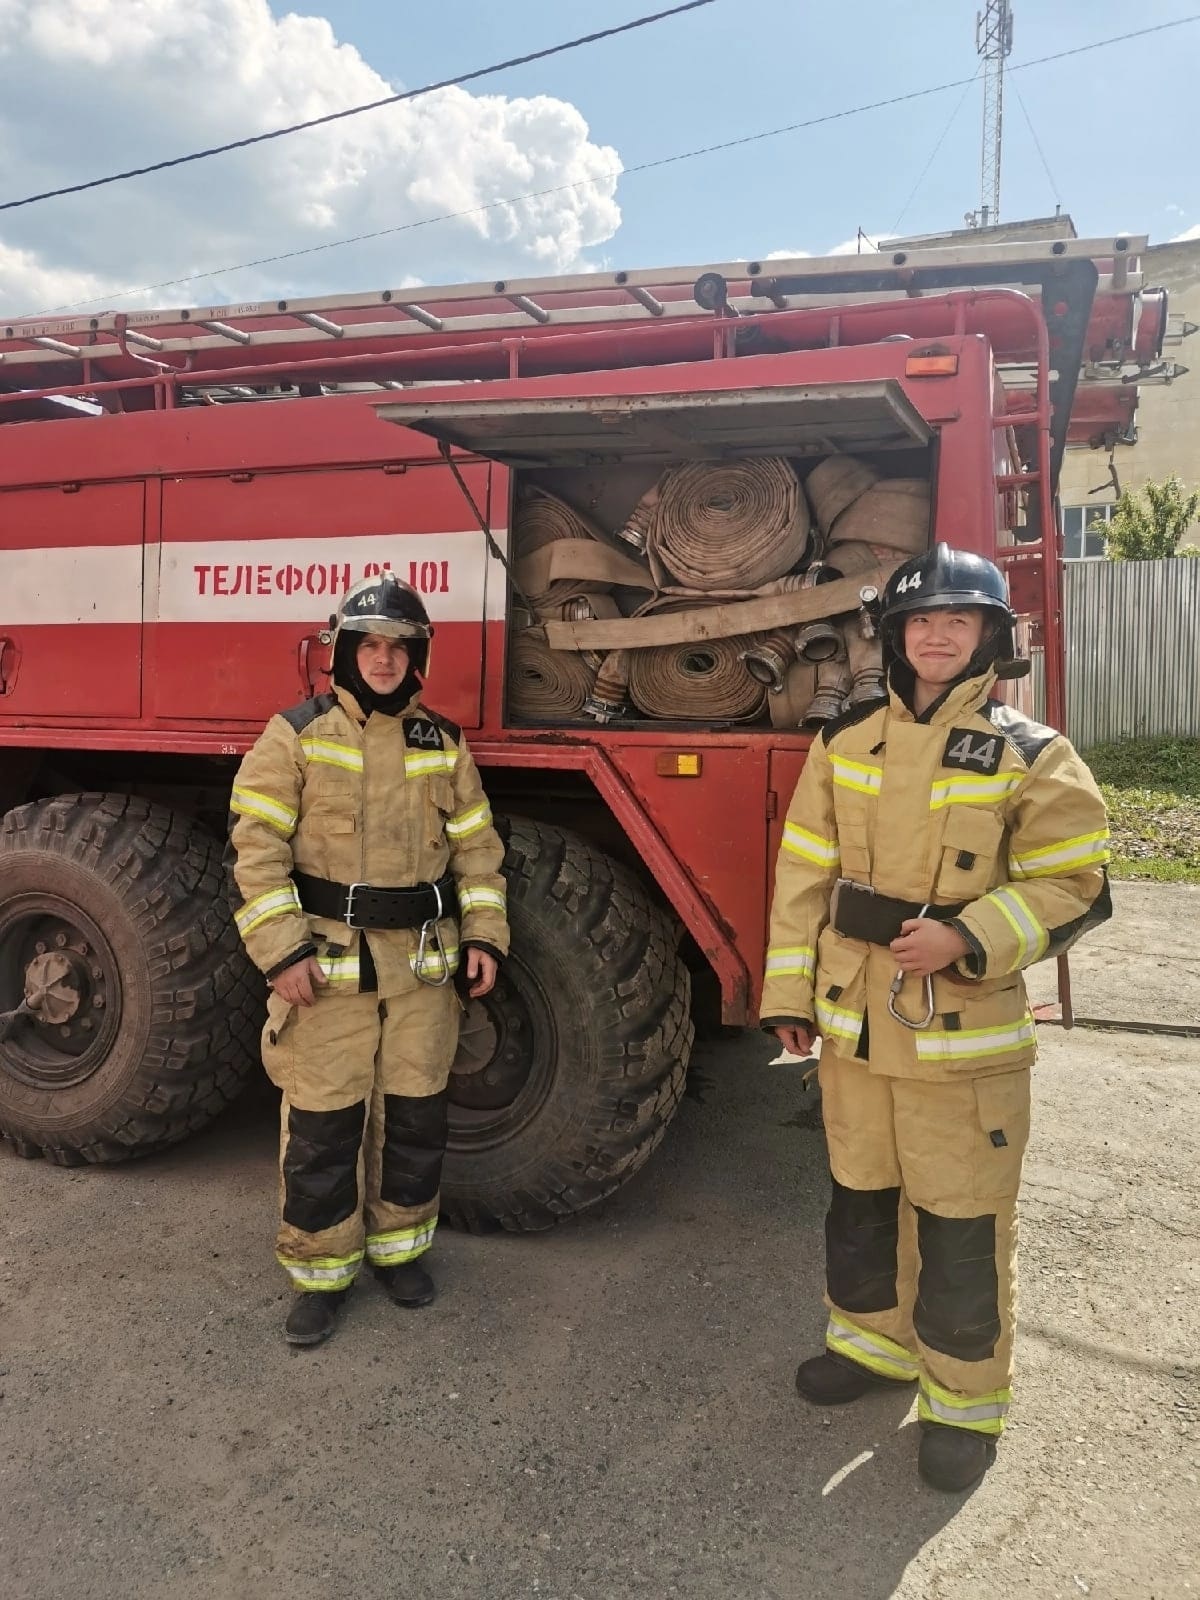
(942, 579)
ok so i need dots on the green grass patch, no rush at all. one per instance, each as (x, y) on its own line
(1152, 790)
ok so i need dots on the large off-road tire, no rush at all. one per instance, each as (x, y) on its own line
(568, 1074)
(126, 900)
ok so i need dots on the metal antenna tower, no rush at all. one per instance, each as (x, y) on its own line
(993, 41)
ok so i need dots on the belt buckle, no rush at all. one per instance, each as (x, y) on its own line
(348, 914)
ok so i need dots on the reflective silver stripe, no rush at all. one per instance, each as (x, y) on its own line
(842, 1024)
(967, 1043)
(386, 1249)
(275, 903)
(329, 1273)
(982, 1414)
(856, 775)
(482, 900)
(871, 1350)
(419, 762)
(814, 847)
(465, 823)
(1090, 849)
(251, 803)
(333, 755)
(971, 790)
(339, 969)
(432, 966)
(791, 961)
(1032, 938)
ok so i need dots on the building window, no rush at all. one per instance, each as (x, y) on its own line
(1083, 531)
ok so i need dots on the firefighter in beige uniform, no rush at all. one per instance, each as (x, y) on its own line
(361, 835)
(937, 843)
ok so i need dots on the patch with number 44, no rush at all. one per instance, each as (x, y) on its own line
(420, 734)
(973, 752)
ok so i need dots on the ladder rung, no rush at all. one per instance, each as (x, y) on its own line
(645, 298)
(419, 314)
(58, 345)
(144, 340)
(238, 335)
(321, 324)
(529, 307)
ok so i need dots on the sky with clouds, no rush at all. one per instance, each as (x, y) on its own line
(92, 86)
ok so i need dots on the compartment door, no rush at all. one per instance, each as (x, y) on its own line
(251, 568)
(71, 601)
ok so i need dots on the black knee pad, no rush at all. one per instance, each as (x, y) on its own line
(862, 1233)
(414, 1143)
(320, 1166)
(958, 1294)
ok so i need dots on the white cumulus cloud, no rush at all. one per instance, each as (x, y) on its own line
(89, 87)
(1188, 233)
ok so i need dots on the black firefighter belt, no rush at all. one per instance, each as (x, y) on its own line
(362, 905)
(857, 911)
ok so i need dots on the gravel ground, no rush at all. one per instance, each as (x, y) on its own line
(607, 1410)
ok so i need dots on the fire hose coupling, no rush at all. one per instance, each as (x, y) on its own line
(768, 659)
(833, 684)
(820, 641)
(609, 697)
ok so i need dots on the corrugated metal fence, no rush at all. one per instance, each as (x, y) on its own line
(1133, 651)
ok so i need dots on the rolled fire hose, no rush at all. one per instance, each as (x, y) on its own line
(789, 706)
(835, 484)
(894, 512)
(701, 680)
(636, 531)
(546, 685)
(737, 525)
(542, 521)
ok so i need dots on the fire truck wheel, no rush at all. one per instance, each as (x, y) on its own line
(128, 1011)
(569, 1072)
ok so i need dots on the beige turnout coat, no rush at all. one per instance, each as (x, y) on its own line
(390, 801)
(973, 805)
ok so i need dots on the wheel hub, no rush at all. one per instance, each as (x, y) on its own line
(60, 989)
(493, 1060)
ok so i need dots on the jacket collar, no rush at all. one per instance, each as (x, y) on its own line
(353, 710)
(960, 699)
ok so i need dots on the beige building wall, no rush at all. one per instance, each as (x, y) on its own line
(1168, 417)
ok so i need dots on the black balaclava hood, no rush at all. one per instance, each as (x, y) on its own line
(346, 675)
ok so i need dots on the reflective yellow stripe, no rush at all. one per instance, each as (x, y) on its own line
(1088, 850)
(791, 961)
(333, 755)
(839, 1024)
(482, 900)
(419, 762)
(970, 790)
(339, 969)
(964, 1044)
(323, 1272)
(980, 1413)
(464, 823)
(432, 966)
(814, 847)
(275, 903)
(1032, 938)
(856, 775)
(389, 1249)
(870, 1350)
(250, 803)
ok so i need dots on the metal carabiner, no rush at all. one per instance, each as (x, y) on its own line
(433, 944)
(894, 992)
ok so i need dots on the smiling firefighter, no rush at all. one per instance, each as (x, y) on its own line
(937, 844)
(364, 862)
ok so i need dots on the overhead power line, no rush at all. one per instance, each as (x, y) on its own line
(933, 154)
(586, 183)
(1037, 143)
(355, 111)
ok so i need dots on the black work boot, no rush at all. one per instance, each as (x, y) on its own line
(830, 1380)
(313, 1315)
(953, 1459)
(408, 1284)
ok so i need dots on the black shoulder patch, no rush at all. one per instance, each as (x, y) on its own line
(973, 751)
(1027, 737)
(849, 717)
(300, 716)
(422, 733)
(444, 723)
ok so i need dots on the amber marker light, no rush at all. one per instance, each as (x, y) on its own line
(931, 366)
(678, 763)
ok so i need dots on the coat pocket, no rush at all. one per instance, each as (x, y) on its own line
(972, 840)
(977, 1026)
(1002, 1105)
(841, 989)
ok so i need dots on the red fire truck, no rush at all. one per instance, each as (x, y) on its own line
(183, 496)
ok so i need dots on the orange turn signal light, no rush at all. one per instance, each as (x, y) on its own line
(931, 366)
(678, 763)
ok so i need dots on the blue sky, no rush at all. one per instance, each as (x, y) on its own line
(89, 87)
(1119, 127)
